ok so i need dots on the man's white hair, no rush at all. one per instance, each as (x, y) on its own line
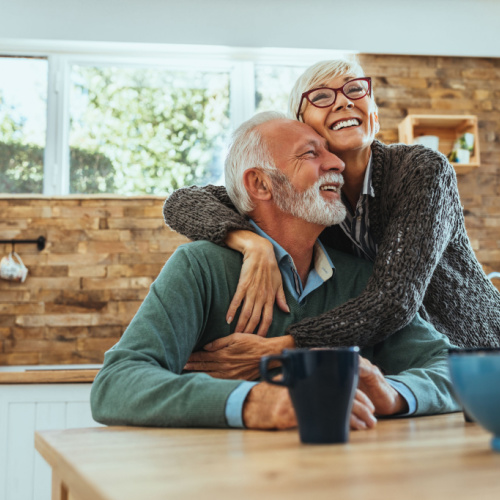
(318, 75)
(248, 150)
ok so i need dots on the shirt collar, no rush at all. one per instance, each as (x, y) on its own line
(367, 181)
(323, 265)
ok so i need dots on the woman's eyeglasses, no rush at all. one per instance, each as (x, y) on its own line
(325, 96)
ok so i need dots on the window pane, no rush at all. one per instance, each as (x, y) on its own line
(23, 123)
(273, 85)
(146, 130)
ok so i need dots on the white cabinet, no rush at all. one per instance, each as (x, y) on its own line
(25, 408)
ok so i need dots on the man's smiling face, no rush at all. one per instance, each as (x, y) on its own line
(308, 179)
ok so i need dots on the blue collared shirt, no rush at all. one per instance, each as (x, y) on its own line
(322, 270)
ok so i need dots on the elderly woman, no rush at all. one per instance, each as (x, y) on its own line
(403, 213)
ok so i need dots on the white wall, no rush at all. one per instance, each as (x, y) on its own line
(427, 27)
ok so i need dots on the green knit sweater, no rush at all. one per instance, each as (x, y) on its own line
(141, 381)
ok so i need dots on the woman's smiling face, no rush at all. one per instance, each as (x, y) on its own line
(347, 125)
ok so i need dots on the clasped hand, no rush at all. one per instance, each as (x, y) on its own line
(236, 356)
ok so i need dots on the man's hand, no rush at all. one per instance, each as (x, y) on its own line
(385, 399)
(268, 407)
(237, 356)
(362, 414)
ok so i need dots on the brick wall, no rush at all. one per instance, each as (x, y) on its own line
(84, 288)
(103, 253)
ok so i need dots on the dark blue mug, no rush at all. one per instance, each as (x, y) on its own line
(322, 384)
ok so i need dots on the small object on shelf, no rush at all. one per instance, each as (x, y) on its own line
(467, 141)
(449, 129)
(429, 141)
(462, 149)
(459, 155)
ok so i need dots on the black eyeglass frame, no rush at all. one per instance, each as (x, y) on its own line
(305, 95)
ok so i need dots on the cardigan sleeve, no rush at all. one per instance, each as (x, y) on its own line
(203, 213)
(423, 212)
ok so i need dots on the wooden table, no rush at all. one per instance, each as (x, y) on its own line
(422, 458)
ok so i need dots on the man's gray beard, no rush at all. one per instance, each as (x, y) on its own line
(309, 204)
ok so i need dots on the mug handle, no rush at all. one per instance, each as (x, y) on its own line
(18, 257)
(264, 370)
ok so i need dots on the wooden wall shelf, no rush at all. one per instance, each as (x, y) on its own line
(448, 128)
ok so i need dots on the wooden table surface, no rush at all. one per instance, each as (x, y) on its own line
(438, 457)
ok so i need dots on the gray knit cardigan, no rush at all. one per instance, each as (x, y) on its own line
(424, 263)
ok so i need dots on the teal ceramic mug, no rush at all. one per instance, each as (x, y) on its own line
(475, 374)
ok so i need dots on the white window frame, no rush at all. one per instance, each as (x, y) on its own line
(240, 63)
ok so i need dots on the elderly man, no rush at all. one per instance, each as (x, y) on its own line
(281, 174)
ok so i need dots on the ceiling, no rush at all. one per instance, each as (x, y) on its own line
(424, 27)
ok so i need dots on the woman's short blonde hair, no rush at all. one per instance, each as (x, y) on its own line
(319, 75)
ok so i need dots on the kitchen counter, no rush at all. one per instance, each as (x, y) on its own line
(48, 374)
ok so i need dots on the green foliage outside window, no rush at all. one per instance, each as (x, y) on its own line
(132, 131)
(21, 165)
(90, 172)
(159, 129)
(21, 168)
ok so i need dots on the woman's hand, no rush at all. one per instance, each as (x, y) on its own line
(260, 283)
(237, 356)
